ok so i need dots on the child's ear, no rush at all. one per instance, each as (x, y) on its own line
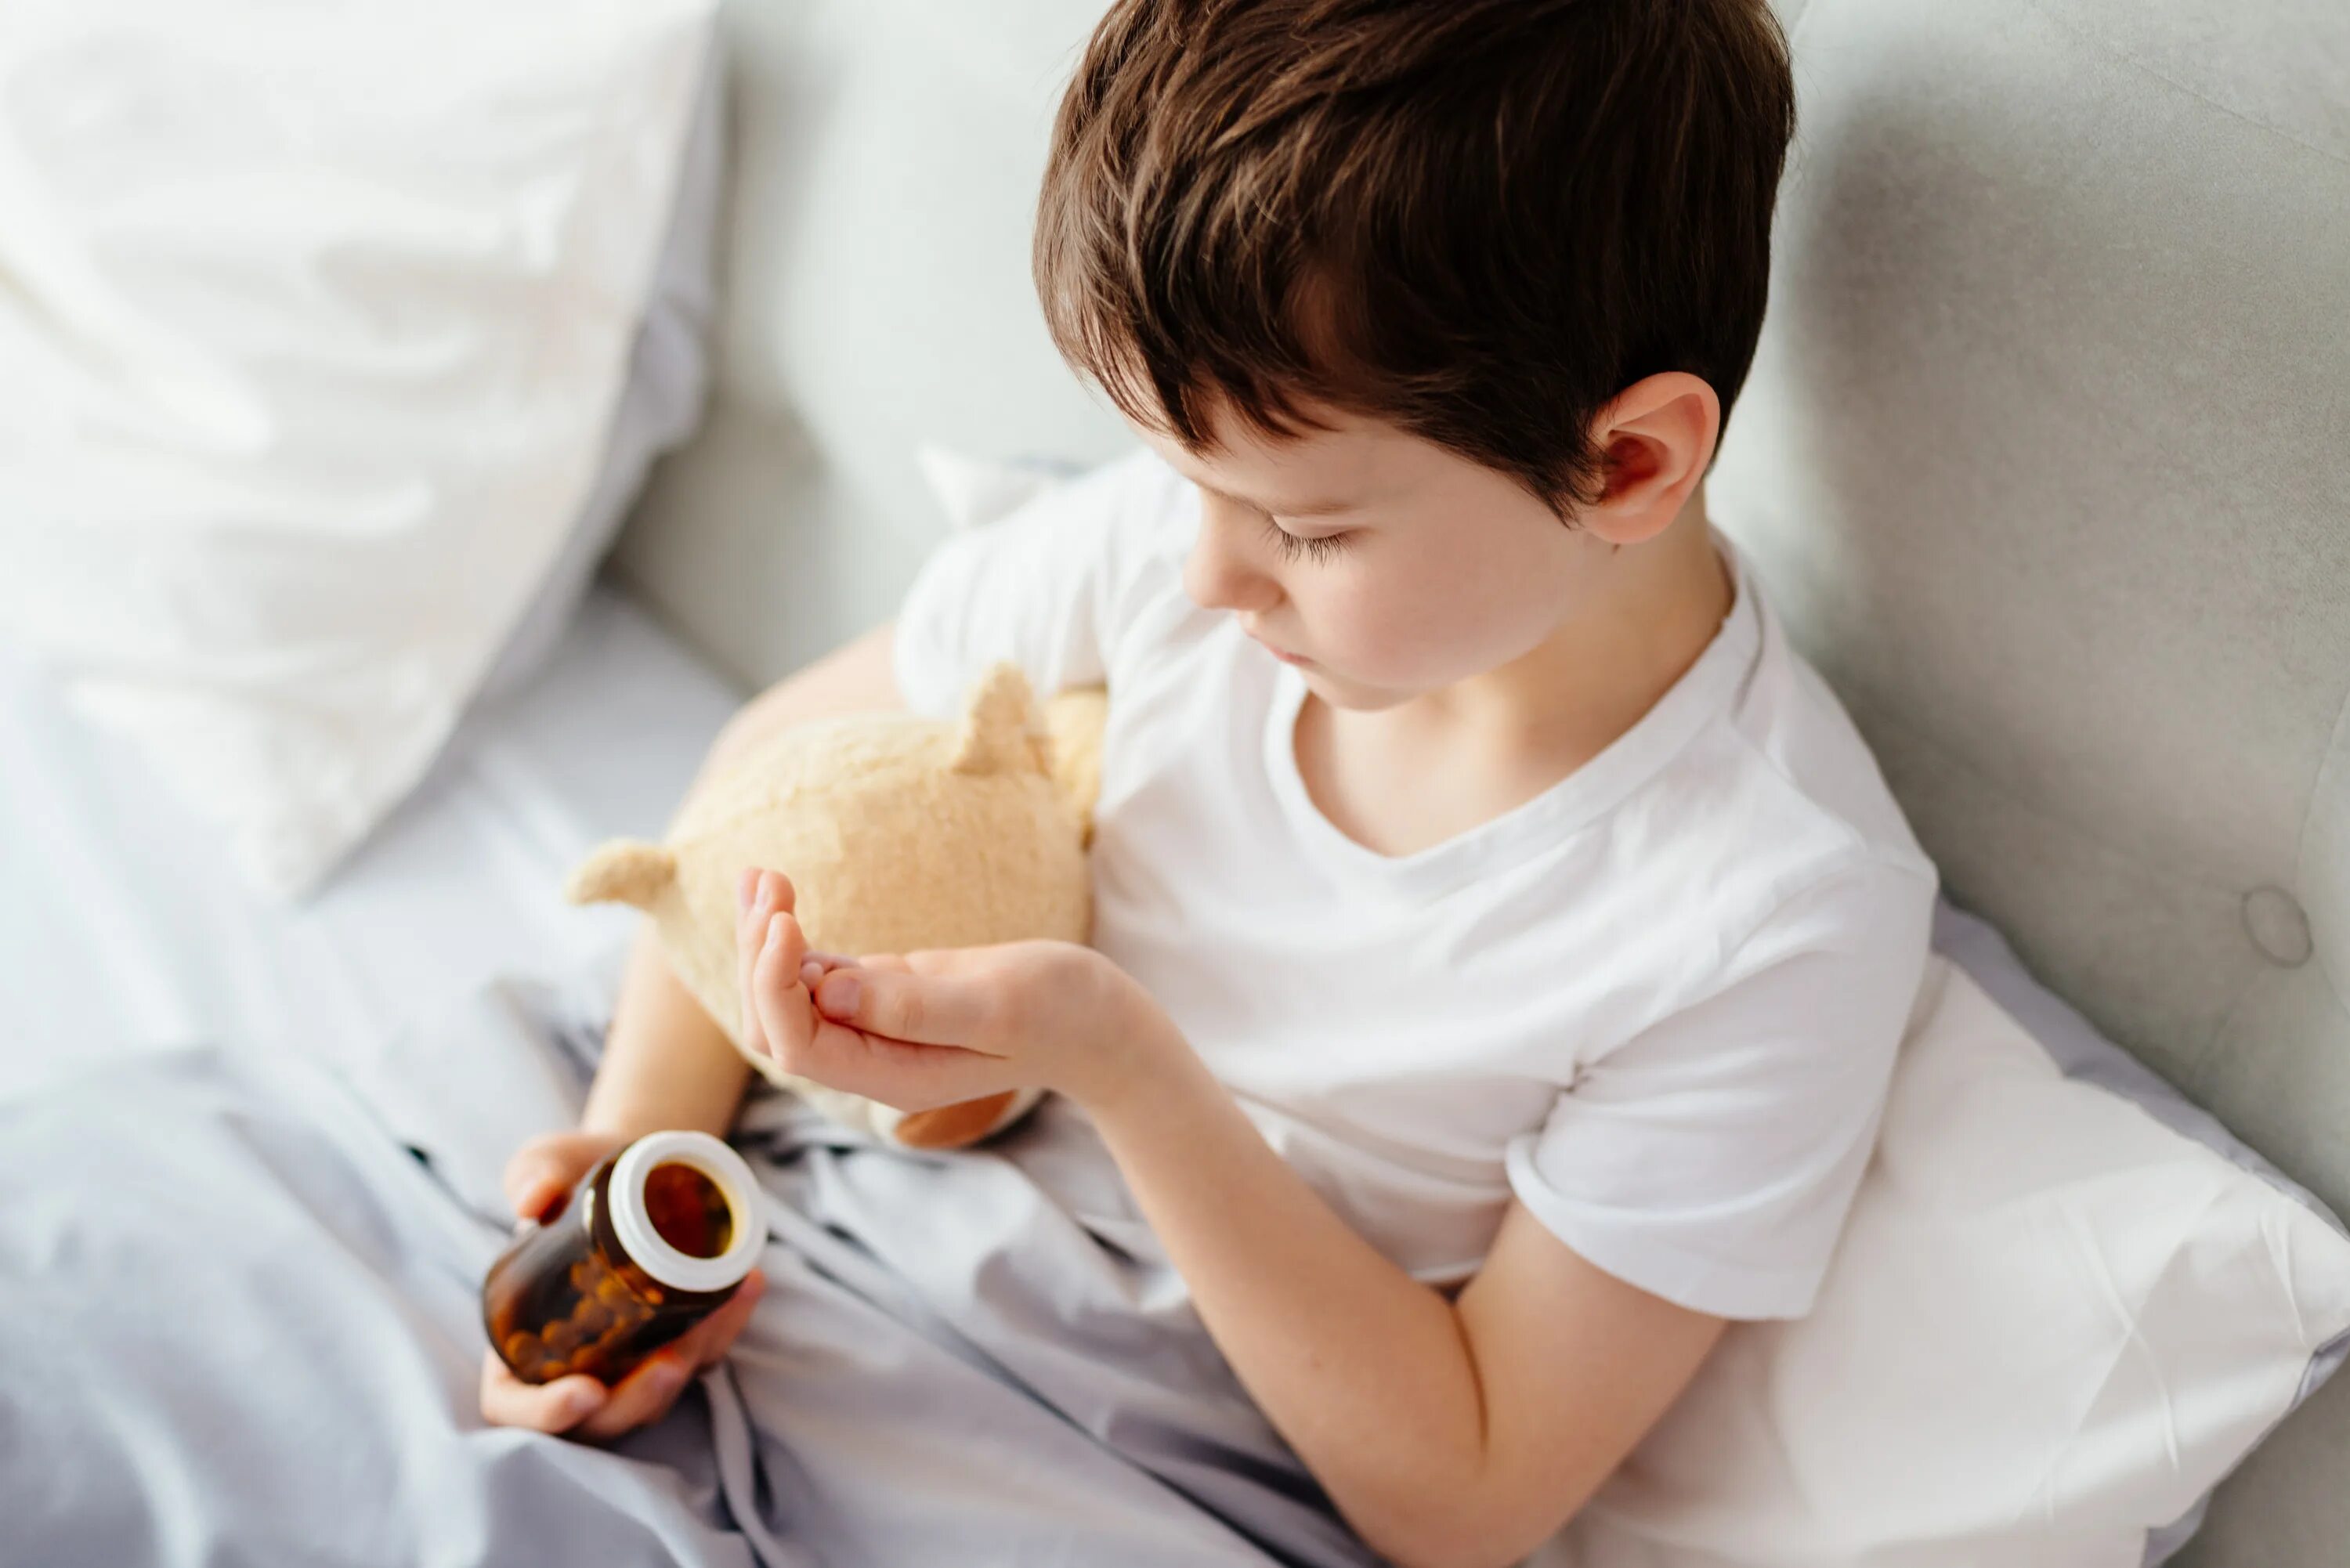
(1655, 439)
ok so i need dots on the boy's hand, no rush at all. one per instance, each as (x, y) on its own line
(542, 1171)
(920, 1030)
(539, 1176)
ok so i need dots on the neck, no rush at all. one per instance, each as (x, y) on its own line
(1653, 608)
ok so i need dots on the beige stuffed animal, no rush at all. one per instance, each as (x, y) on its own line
(898, 834)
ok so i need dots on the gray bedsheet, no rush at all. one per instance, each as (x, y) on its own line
(241, 1328)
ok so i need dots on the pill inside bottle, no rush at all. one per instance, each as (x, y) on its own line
(650, 1241)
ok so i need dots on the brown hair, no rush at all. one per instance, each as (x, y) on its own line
(1479, 219)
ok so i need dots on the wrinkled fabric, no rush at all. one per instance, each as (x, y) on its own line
(247, 1330)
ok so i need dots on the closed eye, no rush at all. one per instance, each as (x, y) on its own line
(1319, 547)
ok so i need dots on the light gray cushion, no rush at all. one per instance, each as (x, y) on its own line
(887, 159)
(2044, 461)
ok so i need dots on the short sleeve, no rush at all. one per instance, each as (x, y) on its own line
(1712, 1159)
(1052, 588)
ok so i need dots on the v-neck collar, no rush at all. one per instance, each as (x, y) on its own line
(1589, 791)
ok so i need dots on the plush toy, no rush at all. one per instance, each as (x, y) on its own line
(898, 834)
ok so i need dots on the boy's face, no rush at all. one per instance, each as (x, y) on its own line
(1381, 564)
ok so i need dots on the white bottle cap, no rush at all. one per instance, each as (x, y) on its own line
(648, 1248)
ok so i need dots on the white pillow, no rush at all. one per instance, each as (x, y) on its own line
(2084, 1055)
(661, 398)
(2052, 1325)
(315, 318)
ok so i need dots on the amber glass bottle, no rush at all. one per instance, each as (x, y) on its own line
(650, 1241)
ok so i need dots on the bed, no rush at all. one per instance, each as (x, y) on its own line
(345, 1078)
(2106, 673)
(127, 927)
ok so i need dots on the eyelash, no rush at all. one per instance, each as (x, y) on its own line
(1293, 546)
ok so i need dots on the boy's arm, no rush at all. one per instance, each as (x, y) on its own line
(1450, 1433)
(666, 1064)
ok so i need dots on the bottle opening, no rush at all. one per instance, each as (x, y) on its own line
(688, 1210)
(685, 1209)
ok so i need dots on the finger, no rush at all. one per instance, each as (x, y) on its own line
(556, 1406)
(927, 1008)
(785, 946)
(784, 1016)
(909, 1076)
(751, 918)
(648, 1389)
(536, 1201)
(543, 1183)
(543, 1170)
(705, 1344)
(760, 895)
(750, 936)
(815, 966)
(715, 1335)
(659, 1412)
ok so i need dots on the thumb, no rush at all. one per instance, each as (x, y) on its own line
(927, 1008)
(539, 1195)
(545, 1169)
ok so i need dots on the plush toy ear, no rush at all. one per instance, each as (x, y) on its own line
(623, 872)
(1001, 733)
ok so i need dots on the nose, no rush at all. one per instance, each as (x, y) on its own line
(1220, 573)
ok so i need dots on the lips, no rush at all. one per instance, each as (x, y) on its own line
(1282, 654)
(1274, 648)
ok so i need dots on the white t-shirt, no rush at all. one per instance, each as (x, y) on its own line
(1658, 1003)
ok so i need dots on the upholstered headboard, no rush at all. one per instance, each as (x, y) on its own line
(2046, 460)
(886, 155)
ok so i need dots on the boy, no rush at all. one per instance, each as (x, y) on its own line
(1502, 938)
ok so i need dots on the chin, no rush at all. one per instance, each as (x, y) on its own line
(1341, 693)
